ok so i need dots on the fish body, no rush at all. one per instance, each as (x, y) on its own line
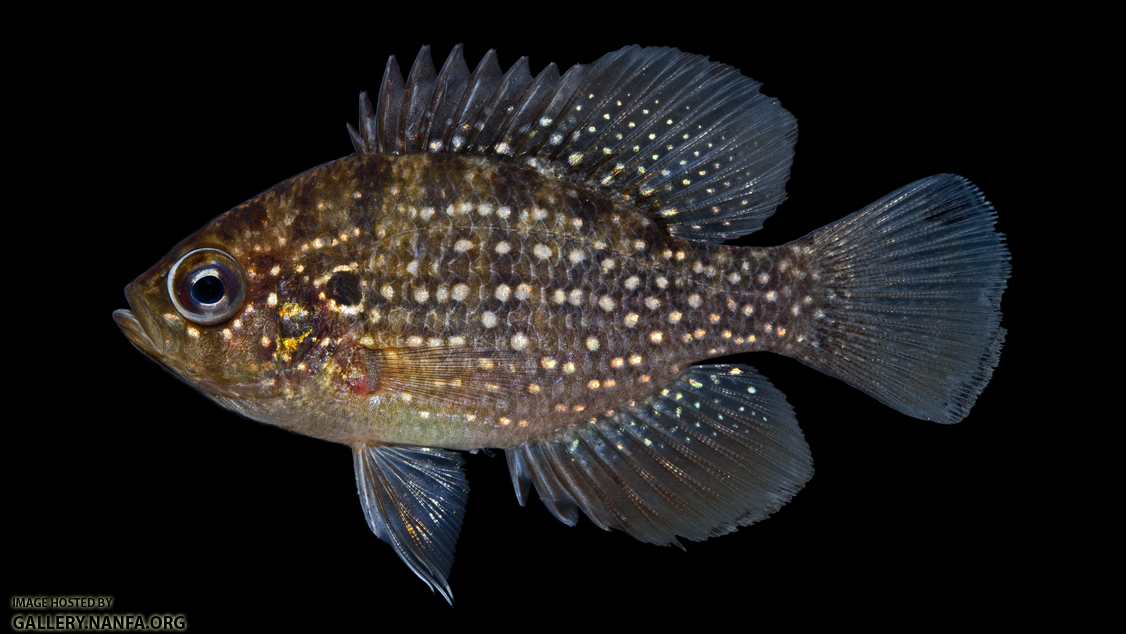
(534, 264)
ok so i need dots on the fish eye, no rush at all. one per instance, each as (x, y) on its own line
(206, 286)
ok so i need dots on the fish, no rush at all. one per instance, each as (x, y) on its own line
(537, 266)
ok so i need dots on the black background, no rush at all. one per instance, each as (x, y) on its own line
(126, 482)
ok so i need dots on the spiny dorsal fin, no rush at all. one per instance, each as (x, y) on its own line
(693, 141)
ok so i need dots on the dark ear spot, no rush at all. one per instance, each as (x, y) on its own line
(344, 287)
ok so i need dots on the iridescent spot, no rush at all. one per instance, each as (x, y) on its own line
(591, 343)
(265, 341)
(504, 212)
(579, 408)
(726, 334)
(558, 296)
(434, 342)
(414, 341)
(771, 296)
(747, 310)
(608, 264)
(781, 331)
(489, 319)
(192, 332)
(575, 297)
(520, 341)
(275, 270)
(505, 421)
(569, 367)
(645, 379)
(594, 384)
(606, 303)
(522, 423)
(652, 303)
(576, 256)
(560, 408)
(686, 337)
(694, 300)
(503, 247)
(714, 318)
(443, 294)
(502, 292)
(272, 299)
(387, 292)
(733, 278)
(675, 316)
(699, 334)
(617, 362)
(457, 341)
(639, 245)
(523, 291)
(763, 278)
(461, 291)
(662, 282)
(631, 320)
(541, 251)
(656, 336)
(632, 282)
(548, 363)
(534, 389)
(461, 246)
(635, 359)
(421, 295)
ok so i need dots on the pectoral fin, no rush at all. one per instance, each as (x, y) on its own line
(414, 499)
(716, 449)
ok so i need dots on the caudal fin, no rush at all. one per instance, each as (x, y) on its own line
(915, 282)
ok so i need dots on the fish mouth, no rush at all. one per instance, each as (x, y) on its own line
(137, 324)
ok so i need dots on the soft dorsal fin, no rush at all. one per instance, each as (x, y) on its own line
(691, 140)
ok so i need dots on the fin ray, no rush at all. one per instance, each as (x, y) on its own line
(718, 448)
(414, 499)
(693, 141)
(915, 280)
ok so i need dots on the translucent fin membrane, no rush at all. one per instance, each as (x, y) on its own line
(692, 140)
(915, 310)
(718, 448)
(414, 499)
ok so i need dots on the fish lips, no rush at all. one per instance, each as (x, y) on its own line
(139, 326)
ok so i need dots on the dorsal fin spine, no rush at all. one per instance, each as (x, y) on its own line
(692, 141)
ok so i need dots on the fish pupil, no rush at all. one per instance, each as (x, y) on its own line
(208, 290)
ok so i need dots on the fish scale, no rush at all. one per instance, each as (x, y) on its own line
(535, 264)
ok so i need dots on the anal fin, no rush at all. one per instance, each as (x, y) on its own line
(717, 448)
(414, 499)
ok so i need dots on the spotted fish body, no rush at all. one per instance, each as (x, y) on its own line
(535, 264)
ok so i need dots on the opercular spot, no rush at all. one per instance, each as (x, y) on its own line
(344, 287)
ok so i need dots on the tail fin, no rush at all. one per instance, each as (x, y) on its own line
(915, 282)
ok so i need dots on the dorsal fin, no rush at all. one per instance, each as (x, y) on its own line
(691, 140)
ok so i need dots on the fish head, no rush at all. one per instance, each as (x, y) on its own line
(200, 313)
